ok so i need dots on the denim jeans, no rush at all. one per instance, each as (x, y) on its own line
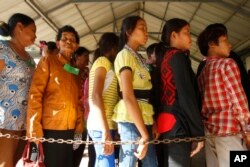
(102, 160)
(129, 132)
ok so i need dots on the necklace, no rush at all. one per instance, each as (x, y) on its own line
(141, 60)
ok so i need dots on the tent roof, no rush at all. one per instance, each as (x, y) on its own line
(92, 18)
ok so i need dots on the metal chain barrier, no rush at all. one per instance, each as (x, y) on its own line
(164, 141)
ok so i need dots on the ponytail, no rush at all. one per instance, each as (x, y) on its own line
(172, 25)
(97, 54)
(4, 29)
(8, 29)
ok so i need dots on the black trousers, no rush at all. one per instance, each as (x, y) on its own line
(78, 153)
(174, 154)
(55, 154)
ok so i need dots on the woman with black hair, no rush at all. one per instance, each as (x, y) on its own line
(134, 113)
(16, 70)
(179, 115)
(102, 99)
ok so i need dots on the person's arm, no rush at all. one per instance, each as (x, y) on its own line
(243, 73)
(232, 80)
(187, 97)
(186, 94)
(35, 100)
(86, 99)
(98, 107)
(2, 65)
(133, 110)
(79, 120)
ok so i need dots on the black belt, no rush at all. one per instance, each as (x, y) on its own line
(139, 94)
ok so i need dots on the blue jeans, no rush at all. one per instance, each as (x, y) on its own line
(129, 132)
(102, 160)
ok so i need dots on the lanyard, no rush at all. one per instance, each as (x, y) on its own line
(30, 63)
(71, 69)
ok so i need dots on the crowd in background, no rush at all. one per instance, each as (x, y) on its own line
(122, 96)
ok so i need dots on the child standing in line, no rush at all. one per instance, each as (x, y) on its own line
(224, 103)
(133, 113)
(80, 60)
(103, 97)
(179, 116)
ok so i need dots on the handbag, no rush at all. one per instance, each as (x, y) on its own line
(25, 160)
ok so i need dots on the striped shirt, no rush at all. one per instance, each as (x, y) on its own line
(224, 103)
(110, 95)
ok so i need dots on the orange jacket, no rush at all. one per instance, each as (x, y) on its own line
(54, 102)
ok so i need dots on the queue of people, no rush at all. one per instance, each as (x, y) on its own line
(122, 96)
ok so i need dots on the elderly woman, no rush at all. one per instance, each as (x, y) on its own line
(53, 108)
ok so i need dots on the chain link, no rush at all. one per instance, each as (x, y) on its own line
(164, 141)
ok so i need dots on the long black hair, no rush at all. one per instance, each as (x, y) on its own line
(128, 26)
(172, 25)
(107, 42)
(7, 29)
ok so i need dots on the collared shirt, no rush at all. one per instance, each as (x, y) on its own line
(224, 103)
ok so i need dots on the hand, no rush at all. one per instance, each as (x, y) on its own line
(156, 135)
(108, 148)
(198, 147)
(142, 149)
(77, 136)
(34, 140)
(247, 141)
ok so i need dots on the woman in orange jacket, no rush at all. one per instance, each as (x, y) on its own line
(53, 108)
